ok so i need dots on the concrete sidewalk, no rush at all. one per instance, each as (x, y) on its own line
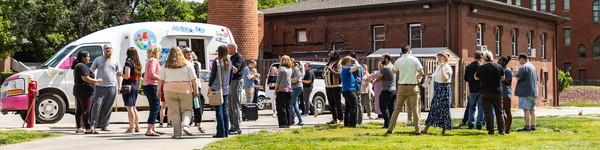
(117, 140)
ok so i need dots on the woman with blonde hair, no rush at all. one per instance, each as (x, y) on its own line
(283, 87)
(220, 73)
(198, 109)
(150, 88)
(179, 81)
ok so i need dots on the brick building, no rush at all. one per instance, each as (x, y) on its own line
(578, 42)
(464, 26)
(242, 18)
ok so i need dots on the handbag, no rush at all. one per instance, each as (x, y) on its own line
(125, 89)
(215, 98)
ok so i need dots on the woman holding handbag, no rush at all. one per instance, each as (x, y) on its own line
(179, 81)
(220, 73)
(131, 75)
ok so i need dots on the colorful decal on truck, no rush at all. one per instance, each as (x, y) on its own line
(144, 38)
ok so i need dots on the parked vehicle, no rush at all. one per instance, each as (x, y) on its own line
(55, 78)
(317, 96)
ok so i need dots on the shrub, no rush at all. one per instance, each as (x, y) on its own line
(564, 80)
(4, 75)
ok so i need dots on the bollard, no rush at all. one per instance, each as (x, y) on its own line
(32, 94)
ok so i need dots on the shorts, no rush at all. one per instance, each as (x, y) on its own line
(527, 103)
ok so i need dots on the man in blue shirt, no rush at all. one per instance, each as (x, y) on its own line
(249, 77)
(526, 90)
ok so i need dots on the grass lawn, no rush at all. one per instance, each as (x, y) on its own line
(552, 133)
(18, 136)
(581, 104)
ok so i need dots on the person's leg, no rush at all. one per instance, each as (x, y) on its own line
(220, 120)
(306, 100)
(100, 93)
(384, 97)
(107, 104)
(413, 107)
(499, 112)
(154, 104)
(508, 114)
(359, 110)
(532, 117)
(338, 103)
(87, 107)
(331, 98)
(471, 105)
(281, 116)
(288, 108)
(136, 117)
(174, 111)
(480, 111)
(294, 102)
(78, 113)
(398, 105)
(186, 106)
(234, 104)
(366, 103)
(487, 107)
(130, 119)
(225, 116)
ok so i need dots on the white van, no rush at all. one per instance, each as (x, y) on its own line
(55, 78)
(317, 96)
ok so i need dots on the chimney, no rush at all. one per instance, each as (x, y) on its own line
(240, 16)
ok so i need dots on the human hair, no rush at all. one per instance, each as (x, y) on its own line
(232, 46)
(79, 59)
(222, 56)
(488, 56)
(176, 58)
(353, 55)
(445, 56)
(523, 56)
(477, 55)
(132, 55)
(505, 60)
(346, 60)
(385, 59)
(252, 62)
(286, 61)
(153, 51)
(405, 48)
(334, 57)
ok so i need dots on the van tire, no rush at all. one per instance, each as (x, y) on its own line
(261, 102)
(53, 106)
(319, 103)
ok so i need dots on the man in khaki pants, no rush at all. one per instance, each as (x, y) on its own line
(408, 68)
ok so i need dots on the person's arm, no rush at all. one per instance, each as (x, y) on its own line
(85, 75)
(90, 80)
(445, 76)
(467, 73)
(94, 65)
(126, 72)
(238, 62)
(154, 69)
(213, 74)
(501, 71)
(161, 83)
(119, 77)
(476, 76)
(520, 74)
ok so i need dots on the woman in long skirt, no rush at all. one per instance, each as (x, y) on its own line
(439, 114)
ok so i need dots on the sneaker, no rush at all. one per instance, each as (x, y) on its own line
(187, 132)
(169, 125)
(332, 122)
(471, 127)
(524, 130)
(479, 127)
(532, 129)
(160, 125)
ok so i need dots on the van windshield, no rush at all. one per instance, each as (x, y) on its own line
(56, 58)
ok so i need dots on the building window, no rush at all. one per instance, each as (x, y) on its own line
(533, 4)
(301, 36)
(552, 4)
(337, 45)
(567, 68)
(581, 51)
(378, 36)
(582, 74)
(543, 46)
(518, 2)
(530, 43)
(479, 34)
(543, 5)
(566, 5)
(415, 36)
(509, 2)
(596, 11)
(597, 48)
(498, 40)
(514, 39)
(567, 37)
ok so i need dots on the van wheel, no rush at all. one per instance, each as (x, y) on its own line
(319, 103)
(50, 108)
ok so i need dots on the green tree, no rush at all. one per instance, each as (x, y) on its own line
(264, 4)
(7, 40)
(164, 10)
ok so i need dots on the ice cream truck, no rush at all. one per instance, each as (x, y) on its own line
(55, 76)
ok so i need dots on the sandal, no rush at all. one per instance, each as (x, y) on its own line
(152, 134)
(201, 130)
(137, 130)
(128, 131)
(158, 132)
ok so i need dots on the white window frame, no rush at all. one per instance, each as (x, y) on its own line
(301, 36)
(567, 37)
(509, 2)
(530, 42)
(543, 6)
(479, 35)
(543, 39)
(596, 11)
(552, 4)
(410, 38)
(534, 5)
(514, 40)
(373, 36)
(518, 2)
(498, 40)
(566, 4)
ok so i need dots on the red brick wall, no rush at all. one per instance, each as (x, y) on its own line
(240, 16)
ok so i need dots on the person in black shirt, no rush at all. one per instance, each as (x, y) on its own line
(307, 83)
(474, 99)
(490, 76)
(83, 91)
(236, 88)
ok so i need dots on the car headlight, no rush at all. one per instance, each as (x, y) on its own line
(13, 87)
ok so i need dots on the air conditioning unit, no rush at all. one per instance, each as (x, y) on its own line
(482, 48)
(532, 52)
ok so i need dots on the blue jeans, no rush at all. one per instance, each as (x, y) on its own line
(222, 118)
(104, 98)
(473, 102)
(294, 101)
(151, 93)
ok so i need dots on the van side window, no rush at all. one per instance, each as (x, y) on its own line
(94, 51)
(318, 70)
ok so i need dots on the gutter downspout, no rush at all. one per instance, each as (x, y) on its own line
(555, 62)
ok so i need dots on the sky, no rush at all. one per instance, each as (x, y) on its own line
(195, 0)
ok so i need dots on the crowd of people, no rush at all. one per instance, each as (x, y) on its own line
(174, 88)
